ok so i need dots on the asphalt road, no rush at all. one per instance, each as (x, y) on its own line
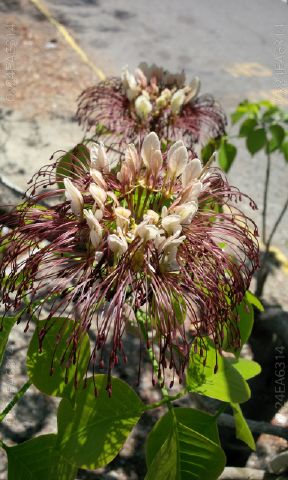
(233, 46)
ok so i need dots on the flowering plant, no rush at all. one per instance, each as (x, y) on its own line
(155, 242)
(152, 99)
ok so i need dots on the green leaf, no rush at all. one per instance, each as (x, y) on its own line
(68, 164)
(226, 385)
(243, 432)
(237, 115)
(278, 134)
(252, 299)
(94, 430)
(201, 422)
(226, 156)
(256, 140)
(185, 453)
(284, 150)
(6, 324)
(53, 349)
(247, 127)
(246, 368)
(38, 459)
(245, 312)
(208, 149)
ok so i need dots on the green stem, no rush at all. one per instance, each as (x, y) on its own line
(14, 400)
(265, 198)
(155, 365)
(165, 401)
(3, 445)
(221, 410)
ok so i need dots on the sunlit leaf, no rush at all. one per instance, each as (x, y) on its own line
(226, 385)
(252, 299)
(54, 348)
(185, 453)
(243, 432)
(93, 431)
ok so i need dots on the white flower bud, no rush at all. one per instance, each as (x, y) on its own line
(99, 159)
(118, 245)
(169, 259)
(150, 143)
(192, 192)
(177, 159)
(177, 101)
(98, 178)
(122, 217)
(132, 159)
(143, 107)
(164, 98)
(140, 78)
(130, 84)
(156, 163)
(171, 224)
(192, 171)
(98, 257)
(186, 212)
(151, 217)
(95, 228)
(98, 194)
(74, 195)
(146, 231)
(125, 176)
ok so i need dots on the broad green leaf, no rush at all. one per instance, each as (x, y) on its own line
(256, 140)
(246, 368)
(254, 300)
(201, 422)
(243, 432)
(55, 347)
(186, 454)
(284, 149)
(94, 430)
(38, 459)
(226, 385)
(7, 325)
(68, 164)
(278, 134)
(226, 156)
(247, 126)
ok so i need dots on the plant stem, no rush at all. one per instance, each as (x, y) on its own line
(3, 445)
(265, 199)
(276, 225)
(221, 410)
(155, 366)
(164, 401)
(14, 400)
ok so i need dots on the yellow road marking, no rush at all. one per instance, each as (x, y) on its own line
(252, 69)
(68, 37)
(278, 96)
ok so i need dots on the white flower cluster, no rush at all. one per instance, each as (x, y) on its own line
(163, 227)
(147, 97)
